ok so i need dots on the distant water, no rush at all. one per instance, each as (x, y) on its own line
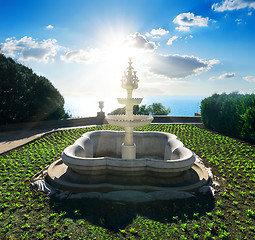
(88, 107)
(179, 105)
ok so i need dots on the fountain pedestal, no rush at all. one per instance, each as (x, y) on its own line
(128, 152)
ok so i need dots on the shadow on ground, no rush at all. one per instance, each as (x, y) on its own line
(117, 215)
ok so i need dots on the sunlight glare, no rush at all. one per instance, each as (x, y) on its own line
(116, 57)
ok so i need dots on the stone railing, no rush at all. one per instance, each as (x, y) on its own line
(98, 120)
(70, 122)
(176, 119)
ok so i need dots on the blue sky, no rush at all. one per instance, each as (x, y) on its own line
(178, 47)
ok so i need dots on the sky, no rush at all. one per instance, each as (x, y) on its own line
(178, 48)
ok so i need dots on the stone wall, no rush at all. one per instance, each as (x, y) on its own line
(71, 122)
(176, 119)
(98, 120)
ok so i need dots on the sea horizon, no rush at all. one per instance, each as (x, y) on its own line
(88, 107)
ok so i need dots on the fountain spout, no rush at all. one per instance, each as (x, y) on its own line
(129, 80)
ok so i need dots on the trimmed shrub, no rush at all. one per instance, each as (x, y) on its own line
(232, 114)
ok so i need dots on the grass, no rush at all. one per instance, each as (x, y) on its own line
(28, 214)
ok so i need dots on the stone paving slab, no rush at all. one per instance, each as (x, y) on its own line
(13, 139)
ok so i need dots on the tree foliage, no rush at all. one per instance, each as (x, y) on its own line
(118, 111)
(232, 114)
(25, 96)
(158, 109)
(153, 109)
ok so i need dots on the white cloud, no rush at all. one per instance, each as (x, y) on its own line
(182, 29)
(155, 37)
(227, 75)
(239, 21)
(230, 5)
(80, 55)
(223, 76)
(179, 66)
(139, 41)
(190, 36)
(170, 40)
(29, 49)
(152, 36)
(49, 27)
(159, 31)
(249, 78)
(189, 19)
(212, 78)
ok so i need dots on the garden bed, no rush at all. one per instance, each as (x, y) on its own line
(28, 214)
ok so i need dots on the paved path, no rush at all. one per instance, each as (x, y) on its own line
(13, 139)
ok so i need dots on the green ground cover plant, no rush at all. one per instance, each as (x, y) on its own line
(28, 214)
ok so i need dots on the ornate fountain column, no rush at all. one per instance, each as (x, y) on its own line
(129, 82)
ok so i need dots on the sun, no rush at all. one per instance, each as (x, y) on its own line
(115, 54)
(113, 43)
(118, 54)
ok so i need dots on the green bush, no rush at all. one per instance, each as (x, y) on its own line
(25, 96)
(232, 114)
(153, 109)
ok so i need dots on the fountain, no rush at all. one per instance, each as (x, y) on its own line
(128, 165)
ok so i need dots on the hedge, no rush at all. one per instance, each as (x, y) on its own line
(231, 114)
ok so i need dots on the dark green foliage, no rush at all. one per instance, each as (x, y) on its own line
(158, 109)
(232, 114)
(153, 109)
(118, 111)
(142, 110)
(248, 119)
(25, 96)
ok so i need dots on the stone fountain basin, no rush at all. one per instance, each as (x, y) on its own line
(136, 121)
(97, 152)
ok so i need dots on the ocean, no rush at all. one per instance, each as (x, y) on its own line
(88, 107)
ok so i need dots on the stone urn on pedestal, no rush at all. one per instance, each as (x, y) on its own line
(101, 114)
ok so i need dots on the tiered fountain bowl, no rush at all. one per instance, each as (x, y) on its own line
(128, 165)
(134, 121)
